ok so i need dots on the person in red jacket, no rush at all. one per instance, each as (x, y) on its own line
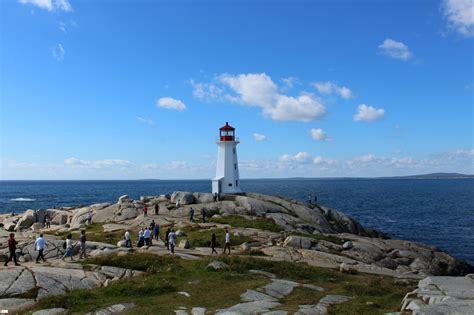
(12, 247)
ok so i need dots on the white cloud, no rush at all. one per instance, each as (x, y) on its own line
(96, 164)
(58, 52)
(318, 134)
(331, 87)
(289, 82)
(170, 103)
(259, 137)
(145, 121)
(49, 5)
(394, 49)
(460, 15)
(300, 157)
(206, 91)
(368, 113)
(62, 26)
(321, 160)
(259, 90)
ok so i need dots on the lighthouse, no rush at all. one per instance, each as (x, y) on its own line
(227, 168)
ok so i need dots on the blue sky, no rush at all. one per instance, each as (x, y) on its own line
(138, 89)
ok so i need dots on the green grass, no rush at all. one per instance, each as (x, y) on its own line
(241, 222)
(156, 291)
(95, 233)
(201, 238)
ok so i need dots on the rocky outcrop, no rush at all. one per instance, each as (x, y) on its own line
(442, 295)
(48, 281)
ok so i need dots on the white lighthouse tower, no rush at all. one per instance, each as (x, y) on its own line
(227, 169)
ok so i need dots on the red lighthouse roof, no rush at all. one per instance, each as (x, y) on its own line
(227, 127)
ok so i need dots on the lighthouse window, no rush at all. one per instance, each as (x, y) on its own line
(235, 166)
(234, 151)
(230, 185)
(236, 183)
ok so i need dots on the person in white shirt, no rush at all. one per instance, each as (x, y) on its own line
(147, 237)
(172, 240)
(128, 240)
(227, 241)
(69, 248)
(39, 244)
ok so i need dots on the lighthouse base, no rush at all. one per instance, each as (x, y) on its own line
(219, 186)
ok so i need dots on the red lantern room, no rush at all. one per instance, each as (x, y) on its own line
(227, 133)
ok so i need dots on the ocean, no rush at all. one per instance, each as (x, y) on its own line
(438, 212)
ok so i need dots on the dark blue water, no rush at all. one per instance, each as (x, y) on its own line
(436, 212)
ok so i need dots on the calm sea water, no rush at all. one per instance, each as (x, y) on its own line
(436, 212)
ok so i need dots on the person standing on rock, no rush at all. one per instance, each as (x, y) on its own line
(89, 218)
(152, 225)
(12, 249)
(215, 197)
(141, 240)
(145, 211)
(172, 240)
(69, 248)
(191, 214)
(156, 232)
(227, 240)
(128, 240)
(167, 242)
(213, 243)
(156, 208)
(39, 246)
(82, 241)
(46, 222)
(147, 237)
(203, 214)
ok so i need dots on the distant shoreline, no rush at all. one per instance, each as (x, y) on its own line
(422, 176)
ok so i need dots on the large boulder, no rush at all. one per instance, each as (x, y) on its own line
(185, 198)
(79, 216)
(106, 214)
(184, 244)
(123, 199)
(299, 242)
(58, 217)
(203, 197)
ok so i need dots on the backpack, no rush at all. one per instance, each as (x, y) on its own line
(64, 245)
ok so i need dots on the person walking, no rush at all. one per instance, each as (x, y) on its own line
(89, 218)
(147, 237)
(227, 241)
(203, 214)
(128, 240)
(156, 208)
(167, 241)
(152, 225)
(191, 214)
(156, 232)
(172, 240)
(82, 241)
(12, 249)
(141, 240)
(39, 246)
(69, 248)
(213, 243)
(46, 222)
(145, 211)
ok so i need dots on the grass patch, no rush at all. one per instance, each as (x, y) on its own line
(156, 291)
(202, 238)
(241, 222)
(95, 233)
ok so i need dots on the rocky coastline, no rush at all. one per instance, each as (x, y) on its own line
(298, 232)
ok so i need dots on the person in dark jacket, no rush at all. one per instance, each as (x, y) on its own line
(213, 243)
(12, 247)
(167, 243)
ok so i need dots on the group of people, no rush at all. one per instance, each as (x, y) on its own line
(40, 245)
